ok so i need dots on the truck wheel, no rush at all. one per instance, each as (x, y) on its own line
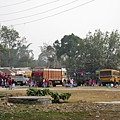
(21, 84)
(54, 85)
(50, 84)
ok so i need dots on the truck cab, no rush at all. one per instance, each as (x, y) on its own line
(20, 79)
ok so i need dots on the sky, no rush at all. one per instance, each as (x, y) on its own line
(45, 21)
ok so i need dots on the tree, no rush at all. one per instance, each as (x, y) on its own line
(103, 49)
(25, 56)
(17, 51)
(68, 51)
(2, 51)
(97, 51)
(47, 56)
(9, 39)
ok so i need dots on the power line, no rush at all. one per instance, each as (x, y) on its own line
(29, 8)
(41, 12)
(55, 14)
(14, 4)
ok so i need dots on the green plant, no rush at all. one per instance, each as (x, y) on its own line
(32, 92)
(37, 92)
(65, 96)
(56, 97)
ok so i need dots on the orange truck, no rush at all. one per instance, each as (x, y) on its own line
(55, 76)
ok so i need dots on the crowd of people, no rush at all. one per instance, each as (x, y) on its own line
(7, 81)
(90, 82)
(71, 83)
(45, 82)
(31, 83)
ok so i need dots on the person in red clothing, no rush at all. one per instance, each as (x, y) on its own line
(29, 82)
(47, 82)
(93, 82)
(38, 72)
(10, 83)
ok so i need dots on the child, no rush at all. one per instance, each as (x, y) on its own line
(13, 86)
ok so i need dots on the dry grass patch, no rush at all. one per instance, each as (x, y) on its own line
(77, 95)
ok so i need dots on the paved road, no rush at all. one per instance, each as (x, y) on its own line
(102, 88)
(113, 102)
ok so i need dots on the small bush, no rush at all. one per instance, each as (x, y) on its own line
(65, 96)
(56, 96)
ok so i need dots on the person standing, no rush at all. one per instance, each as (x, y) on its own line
(115, 82)
(43, 82)
(10, 83)
(2, 83)
(47, 82)
(29, 82)
(13, 84)
(71, 82)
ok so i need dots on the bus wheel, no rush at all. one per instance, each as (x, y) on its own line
(50, 84)
(104, 84)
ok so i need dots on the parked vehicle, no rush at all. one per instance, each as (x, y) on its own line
(20, 79)
(55, 76)
(109, 76)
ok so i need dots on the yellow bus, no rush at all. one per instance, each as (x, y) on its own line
(109, 76)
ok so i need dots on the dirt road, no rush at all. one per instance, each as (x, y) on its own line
(101, 88)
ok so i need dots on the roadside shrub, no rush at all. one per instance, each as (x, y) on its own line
(32, 92)
(37, 92)
(56, 96)
(65, 96)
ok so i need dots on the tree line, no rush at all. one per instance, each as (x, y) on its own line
(97, 50)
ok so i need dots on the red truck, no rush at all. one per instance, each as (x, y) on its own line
(55, 76)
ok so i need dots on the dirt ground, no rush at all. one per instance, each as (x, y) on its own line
(83, 99)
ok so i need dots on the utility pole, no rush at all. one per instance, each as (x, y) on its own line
(0, 57)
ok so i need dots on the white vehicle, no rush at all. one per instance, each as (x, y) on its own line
(20, 79)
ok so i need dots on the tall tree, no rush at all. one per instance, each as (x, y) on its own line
(17, 53)
(2, 51)
(48, 56)
(103, 49)
(96, 51)
(25, 56)
(9, 39)
(68, 51)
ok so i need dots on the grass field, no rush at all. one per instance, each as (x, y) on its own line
(80, 106)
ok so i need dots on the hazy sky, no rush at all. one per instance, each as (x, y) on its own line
(44, 21)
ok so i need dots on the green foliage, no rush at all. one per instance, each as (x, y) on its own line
(32, 92)
(48, 56)
(37, 92)
(97, 51)
(56, 96)
(13, 49)
(65, 96)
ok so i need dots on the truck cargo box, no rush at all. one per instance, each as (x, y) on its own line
(52, 74)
